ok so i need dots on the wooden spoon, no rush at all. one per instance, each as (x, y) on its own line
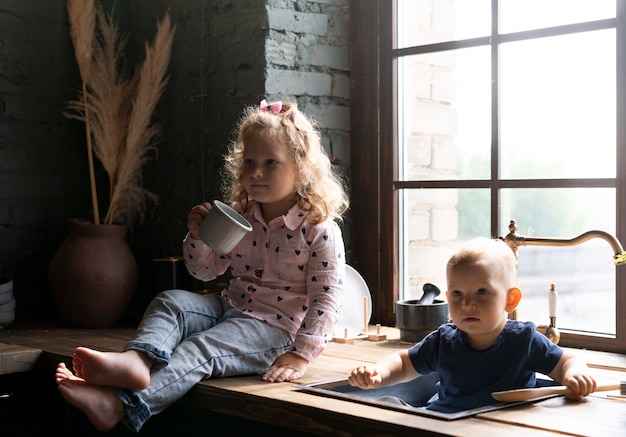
(525, 394)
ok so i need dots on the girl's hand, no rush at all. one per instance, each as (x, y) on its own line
(365, 377)
(196, 217)
(287, 367)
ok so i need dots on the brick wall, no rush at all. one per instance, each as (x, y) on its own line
(430, 148)
(226, 54)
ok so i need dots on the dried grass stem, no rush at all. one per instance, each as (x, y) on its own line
(117, 109)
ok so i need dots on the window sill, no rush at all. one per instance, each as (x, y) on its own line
(283, 404)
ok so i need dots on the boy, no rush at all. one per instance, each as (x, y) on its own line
(482, 351)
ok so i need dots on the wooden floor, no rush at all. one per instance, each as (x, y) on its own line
(285, 405)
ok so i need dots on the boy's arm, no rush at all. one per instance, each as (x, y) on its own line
(390, 370)
(573, 372)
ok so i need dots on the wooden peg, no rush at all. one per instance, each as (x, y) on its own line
(345, 338)
(378, 336)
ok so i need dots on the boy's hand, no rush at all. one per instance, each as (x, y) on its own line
(286, 367)
(365, 377)
(573, 372)
(581, 384)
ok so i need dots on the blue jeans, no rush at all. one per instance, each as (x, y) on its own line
(191, 337)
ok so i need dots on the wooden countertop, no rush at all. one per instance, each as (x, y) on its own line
(285, 405)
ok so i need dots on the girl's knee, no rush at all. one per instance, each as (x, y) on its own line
(171, 299)
(168, 295)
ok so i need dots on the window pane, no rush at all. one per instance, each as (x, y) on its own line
(423, 22)
(583, 274)
(433, 223)
(558, 212)
(518, 15)
(585, 282)
(558, 107)
(444, 115)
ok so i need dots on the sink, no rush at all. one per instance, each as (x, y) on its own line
(410, 397)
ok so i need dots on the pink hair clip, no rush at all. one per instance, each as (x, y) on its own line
(274, 107)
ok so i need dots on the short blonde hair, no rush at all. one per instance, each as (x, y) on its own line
(319, 189)
(493, 251)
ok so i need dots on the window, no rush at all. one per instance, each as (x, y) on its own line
(468, 114)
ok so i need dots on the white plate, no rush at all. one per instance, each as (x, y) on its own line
(7, 306)
(6, 285)
(6, 297)
(6, 317)
(356, 310)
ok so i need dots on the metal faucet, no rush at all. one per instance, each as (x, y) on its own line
(514, 241)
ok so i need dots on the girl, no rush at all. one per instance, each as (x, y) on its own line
(277, 313)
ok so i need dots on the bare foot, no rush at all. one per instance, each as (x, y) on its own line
(129, 369)
(99, 404)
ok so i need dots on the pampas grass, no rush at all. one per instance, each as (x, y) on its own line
(117, 109)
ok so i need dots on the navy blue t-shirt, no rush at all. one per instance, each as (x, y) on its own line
(467, 376)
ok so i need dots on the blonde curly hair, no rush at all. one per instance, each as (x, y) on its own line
(319, 189)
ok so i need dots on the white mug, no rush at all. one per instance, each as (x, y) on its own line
(223, 228)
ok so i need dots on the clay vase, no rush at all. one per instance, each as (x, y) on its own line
(93, 274)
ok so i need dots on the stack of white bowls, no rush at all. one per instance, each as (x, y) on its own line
(7, 302)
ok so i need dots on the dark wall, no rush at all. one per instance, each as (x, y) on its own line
(218, 66)
(43, 157)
